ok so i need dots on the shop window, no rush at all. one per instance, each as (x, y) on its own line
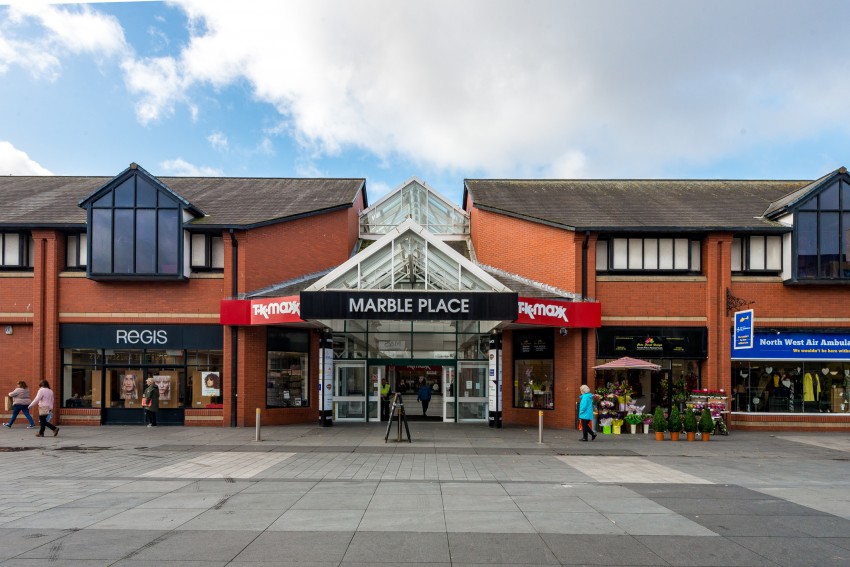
(207, 252)
(16, 250)
(757, 254)
(76, 256)
(204, 371)
(287, 369)
(134, 230)
(674, 255)
(79, 368)
(822, 235)
(534, 370)
(783, 386)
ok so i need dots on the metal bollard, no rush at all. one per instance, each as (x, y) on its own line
(257, 427)
(540, 428)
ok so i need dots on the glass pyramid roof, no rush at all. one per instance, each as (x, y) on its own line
(414, 200)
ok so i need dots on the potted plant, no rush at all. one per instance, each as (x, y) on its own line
(647, 422)
(674, 423)
(706, 424)
(634, 419)
(690, 423)
(659, 423)
(616, 425)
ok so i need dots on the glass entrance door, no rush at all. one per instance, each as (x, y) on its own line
(472, 398)
(350, 389)
(449, 393)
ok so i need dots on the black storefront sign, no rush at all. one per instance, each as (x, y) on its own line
(652, 342)
(410, 305)
(534, 345)
(201, 337)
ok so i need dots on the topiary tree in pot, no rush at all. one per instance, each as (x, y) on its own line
(706, 424)
(674, 423)
(690, 424)
(659, 423)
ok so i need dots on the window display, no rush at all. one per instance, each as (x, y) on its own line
(286, 380)
(790, 387)
(534, 370)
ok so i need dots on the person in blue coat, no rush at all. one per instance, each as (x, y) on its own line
(585, 413)
(424, 396)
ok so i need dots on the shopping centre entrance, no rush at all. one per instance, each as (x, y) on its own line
(458, 391)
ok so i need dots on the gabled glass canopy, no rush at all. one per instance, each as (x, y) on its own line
(409, 258)
(413, 200)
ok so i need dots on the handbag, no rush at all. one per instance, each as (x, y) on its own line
(43, 410)
(8, 403)
(147, 402)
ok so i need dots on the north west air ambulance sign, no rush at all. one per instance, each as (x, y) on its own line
(410, 306)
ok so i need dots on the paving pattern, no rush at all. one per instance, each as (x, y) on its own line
(457, 496)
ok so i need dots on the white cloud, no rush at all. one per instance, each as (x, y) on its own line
(16, 162)
(218, 141)
(506, 86)
(63, 31)
(182, 168)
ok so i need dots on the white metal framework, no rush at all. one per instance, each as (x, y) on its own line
(413, 200)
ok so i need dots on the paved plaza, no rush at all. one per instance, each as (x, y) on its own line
(459, 495)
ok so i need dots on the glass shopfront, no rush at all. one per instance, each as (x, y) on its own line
(106, 367)
(792, 372)
(534, 369)
(446, 358)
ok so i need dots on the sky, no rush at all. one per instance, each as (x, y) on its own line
(441, 90)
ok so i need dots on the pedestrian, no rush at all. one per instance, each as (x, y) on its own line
(424, 396)
(585, 413)
(150, 402)
(385, 400)
(20, 404)
(44, 400)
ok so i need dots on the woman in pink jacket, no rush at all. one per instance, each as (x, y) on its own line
(44, 400)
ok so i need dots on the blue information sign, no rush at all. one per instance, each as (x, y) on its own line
(743, 330)
(797, 346)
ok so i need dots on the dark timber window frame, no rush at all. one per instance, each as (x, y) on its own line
(822, 229)
(638, 254)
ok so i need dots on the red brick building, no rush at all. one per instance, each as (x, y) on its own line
(297, 297)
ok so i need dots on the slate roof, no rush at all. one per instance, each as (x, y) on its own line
(27, 201)
(635, 205)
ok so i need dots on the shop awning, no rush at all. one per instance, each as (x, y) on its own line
(628, 363)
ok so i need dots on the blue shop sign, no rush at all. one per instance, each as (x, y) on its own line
(743, 330)
(796, 346)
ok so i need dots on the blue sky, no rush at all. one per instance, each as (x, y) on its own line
(441, 90)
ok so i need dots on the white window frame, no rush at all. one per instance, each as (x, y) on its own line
(207, 251)
(757, 254)
(651, 254)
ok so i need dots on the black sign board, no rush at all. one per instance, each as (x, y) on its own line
(410, 305)
(534, 344)
(207, 337)
(652, 342)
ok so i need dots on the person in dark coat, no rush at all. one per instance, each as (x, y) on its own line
(150, 402)
(424, 396)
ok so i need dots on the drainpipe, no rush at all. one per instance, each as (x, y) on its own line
(584, 247)
(234, 330)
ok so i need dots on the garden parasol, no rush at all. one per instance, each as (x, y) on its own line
(628, 363)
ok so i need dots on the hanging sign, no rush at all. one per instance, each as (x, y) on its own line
(743, 330)
(409, 305)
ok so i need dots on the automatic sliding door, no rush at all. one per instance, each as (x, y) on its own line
(350, 391)
(472, 397)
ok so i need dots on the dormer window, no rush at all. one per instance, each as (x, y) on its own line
(822, 234)
(135, 227)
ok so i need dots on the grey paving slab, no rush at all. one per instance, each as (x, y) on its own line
(664, 524)
(193, 545)
(407, 547)
(19, 562)
(169, 563)
(487, 522)
(297, 547)
(500, 548)
(556, 502)
(406, 501)
(700, 551)
(15, 541)
(767, 526)
(796, 551)
(276, 486)
(260, 501)
(403, 520)
(94, 545)
(226, 519)
(113, 500)
(318, 521)
(573, 523)
(600, 550)
(148, 519)
(498, 502)
(66, 518)
(155, 486)
(607, 504)
(329, 501)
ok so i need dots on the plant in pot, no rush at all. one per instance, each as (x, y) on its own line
(634, 419)
(659, 423)
(706, 424)
(690, 423)
(647, 422)
(674, 423)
